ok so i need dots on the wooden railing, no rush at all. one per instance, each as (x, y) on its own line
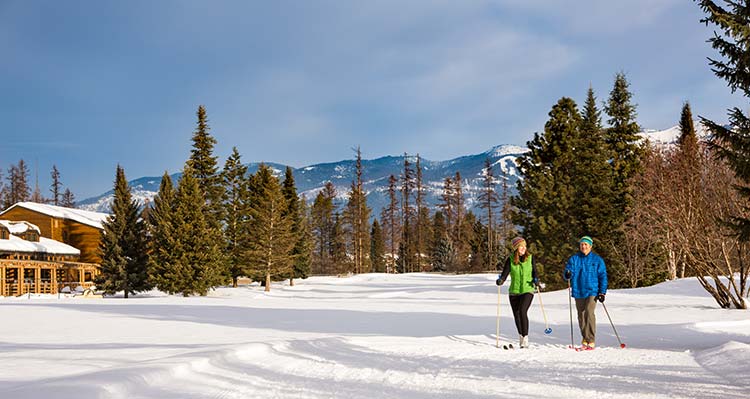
(14, 284)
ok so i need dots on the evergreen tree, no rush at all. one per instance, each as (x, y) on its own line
(477, 240)
(423, 223)
(357, 216)
(377, 248)
(123, 245)
(596, 213)
(391, 224)
(236, 214)
(685, 182)
(446, 205)
(507, 227)
(407, 249)
(204, 166)
(199, 263)
(270, 253)
(162, 262)
(442, 253)
(341, 262)
(488, 200)
(296, 213)
(546, 200)
(461, 229)
(18, 184)
(304, 242)
(458, 204)
(622, 139)
(732, 143)
(322, 222)
(56, 187)
(68, 199)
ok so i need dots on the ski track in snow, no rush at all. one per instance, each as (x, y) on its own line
(414, 336)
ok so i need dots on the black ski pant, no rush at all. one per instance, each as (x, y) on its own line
(520, 305)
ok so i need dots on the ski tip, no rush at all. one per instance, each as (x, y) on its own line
(622, 346)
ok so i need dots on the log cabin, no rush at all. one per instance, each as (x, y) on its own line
(30, 263)
(75, 227)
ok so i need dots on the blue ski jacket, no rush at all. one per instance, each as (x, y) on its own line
(588, 275)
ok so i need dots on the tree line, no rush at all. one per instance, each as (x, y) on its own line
(15, 188)
(655, 213)
(214, 226)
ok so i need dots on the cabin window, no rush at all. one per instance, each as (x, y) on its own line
(32, 235)
(4, 234)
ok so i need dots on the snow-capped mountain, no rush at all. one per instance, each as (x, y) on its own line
(311, 179)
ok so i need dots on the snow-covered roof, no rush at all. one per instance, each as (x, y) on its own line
(93, 219)
(45, 245)
(19, 227)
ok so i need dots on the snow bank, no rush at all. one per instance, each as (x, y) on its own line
(369, 336)
(729, 362)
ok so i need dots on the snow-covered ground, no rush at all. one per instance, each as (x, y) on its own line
(369, 336)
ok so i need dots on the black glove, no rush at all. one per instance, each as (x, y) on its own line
(499, 282)
(600, 298)
(568, 274)
(535, 281)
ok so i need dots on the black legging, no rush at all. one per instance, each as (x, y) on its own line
(520, 305)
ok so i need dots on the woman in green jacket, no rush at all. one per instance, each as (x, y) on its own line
(523, 279)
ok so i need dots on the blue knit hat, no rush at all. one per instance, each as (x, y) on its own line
(587, 240)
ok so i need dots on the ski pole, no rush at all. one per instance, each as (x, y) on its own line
(570, 307)
(547, 329)
(497, 324)
(622, 345)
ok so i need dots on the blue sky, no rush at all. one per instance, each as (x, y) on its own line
(89, 84)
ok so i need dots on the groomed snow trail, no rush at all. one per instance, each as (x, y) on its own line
(371, 336)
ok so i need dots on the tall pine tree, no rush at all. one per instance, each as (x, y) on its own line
(391, 224)
(68, 199)
(377, 248)
(56, 187)
(732, 143)
(622, 139)
(162, 245)
(596, 214)
(357, 216)
(407, 248)
(18, 184)
(296, 212)
(205, 169)
(236, 214)
(322, 222)
(199, 263)
(546, 200)
(271, 243)
(123, 245)
(423, 224)
(626, 153)
(488, 200)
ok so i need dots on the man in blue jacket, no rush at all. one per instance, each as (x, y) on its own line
(588, 281)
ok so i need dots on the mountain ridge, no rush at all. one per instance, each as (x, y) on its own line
(310, 179)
